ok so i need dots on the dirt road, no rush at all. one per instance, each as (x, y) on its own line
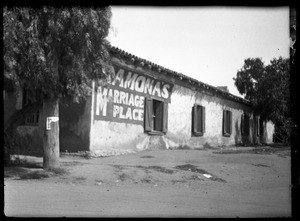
(160, 183)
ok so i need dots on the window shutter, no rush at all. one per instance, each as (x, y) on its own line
(242, 124)
(230, 122)
(195, 118)
(148, 114)
(224, 122)
(165, 118)
(203, 119)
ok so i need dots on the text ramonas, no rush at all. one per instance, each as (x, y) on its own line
(122, 100)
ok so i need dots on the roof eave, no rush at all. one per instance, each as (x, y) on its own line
(144, 62)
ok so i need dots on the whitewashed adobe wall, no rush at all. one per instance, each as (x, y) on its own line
(119, 124)
(118, 109)
(180, 119)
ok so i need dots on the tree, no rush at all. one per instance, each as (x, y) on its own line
(55, 51)
(267, 88)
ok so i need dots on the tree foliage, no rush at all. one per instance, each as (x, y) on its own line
(267, 87)
(53, 52)
(39, 40)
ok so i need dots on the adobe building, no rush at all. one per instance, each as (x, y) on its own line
(147, 106)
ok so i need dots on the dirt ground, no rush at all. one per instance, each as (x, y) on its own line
(236, 182)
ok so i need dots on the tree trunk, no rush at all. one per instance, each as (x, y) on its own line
(51, 134)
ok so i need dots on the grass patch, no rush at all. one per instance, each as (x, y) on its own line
(74, 163)
(118, 167)
(260, 165)
(58, 171)
(180, 147)
(156, 168)
(279, 145)
(146, 180)
(178, 181)
(147, 156)
(194, 177)
(123, 177)
(34, 175)
(18, 162)
(146, 168)
(251, 151)
(80, 178)
(11, 172)
(218, 179)
(190, 167)
(183, 147)
(160, 169)
(40, 174)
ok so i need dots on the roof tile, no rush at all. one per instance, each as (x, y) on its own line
(144, 62)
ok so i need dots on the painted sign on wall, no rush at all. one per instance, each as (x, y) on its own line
(122, 99)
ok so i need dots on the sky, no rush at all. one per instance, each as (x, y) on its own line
(209, 44)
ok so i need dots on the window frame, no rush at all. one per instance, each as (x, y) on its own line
(227, 119)
(198, 118)
(149, 117)
(157, 115)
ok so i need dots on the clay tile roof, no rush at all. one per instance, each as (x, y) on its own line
(210, 88)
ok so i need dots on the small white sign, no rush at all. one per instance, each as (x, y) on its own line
(207, 175)
(49, 120)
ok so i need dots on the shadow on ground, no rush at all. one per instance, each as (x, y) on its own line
(22, 170)
(281, 151)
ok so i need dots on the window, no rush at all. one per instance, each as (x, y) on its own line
(27, 100)
(227, 124)
(245, 124)
(156, 116)
(198, 120)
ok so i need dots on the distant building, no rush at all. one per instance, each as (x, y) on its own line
(148, 106)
